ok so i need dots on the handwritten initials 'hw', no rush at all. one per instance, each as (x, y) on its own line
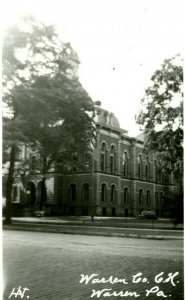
(18, 292)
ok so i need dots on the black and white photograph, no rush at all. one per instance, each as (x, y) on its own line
(92, 149)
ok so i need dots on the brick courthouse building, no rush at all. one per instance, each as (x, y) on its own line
(117, 179)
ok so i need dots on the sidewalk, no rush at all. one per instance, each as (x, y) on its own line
(84, 226)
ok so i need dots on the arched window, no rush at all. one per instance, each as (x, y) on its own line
(85, 192)
(156, 199)
(126, 195)
(103, 157)
(42, 193)
(31, 193)
(148, 197)
(156, 170)
(125, 164)
(72, 192)
(160, 175)
(103, 192)
(113, 193)
(87, 159)
(140, 197)
(140, 166)
(112, 159)
(161, 198)
(147, 167)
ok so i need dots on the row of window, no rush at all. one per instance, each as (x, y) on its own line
(143, 168)
(103, 160)
(73, 193)
(158, 172)
(104, 193)
(158, 198)
(85, 194)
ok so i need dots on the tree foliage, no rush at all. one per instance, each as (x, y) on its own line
(173, 204)
(45, 104)
(42, 89)
(161, 119)
(162, 115)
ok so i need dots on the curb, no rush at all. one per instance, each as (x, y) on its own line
(90, 232)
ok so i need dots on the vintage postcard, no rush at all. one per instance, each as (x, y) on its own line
(92, 149)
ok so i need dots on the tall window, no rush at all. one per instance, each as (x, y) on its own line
(103, 192)
(156, 199)
(148, 197)
(160, 176)
(113, 193)
(140, 166)
(31, 193)
(156, 170)
(147, 168)
(125, 164)
(87, 159)
(140, 197)
(161, 198)
(103, 157)
(112, 159)
(72, 192)
(126, 195)
(85, 192)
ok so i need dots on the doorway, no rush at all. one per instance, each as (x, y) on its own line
(31, 193)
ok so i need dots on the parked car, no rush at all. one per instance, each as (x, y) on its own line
(40, 213)
(147, 214)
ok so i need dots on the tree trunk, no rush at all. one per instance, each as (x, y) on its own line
(43, 196)
(9, 185)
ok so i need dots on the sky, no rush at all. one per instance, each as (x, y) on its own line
(120, 44)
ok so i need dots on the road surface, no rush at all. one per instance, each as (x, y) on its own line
(49, 266)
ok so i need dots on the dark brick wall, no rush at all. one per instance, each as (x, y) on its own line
(127, 186)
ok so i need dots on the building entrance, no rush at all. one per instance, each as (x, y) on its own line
(31, 193)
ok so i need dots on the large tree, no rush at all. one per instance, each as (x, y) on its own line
(161, 119)
(45, 104)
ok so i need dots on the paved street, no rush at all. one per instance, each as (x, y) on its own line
(50, 266)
